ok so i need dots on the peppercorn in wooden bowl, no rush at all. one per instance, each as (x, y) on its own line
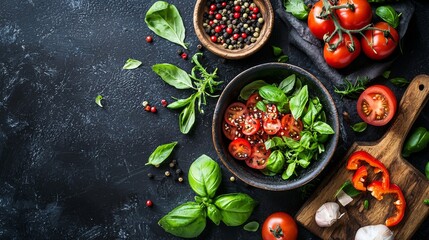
(233, 29)
(285, 153)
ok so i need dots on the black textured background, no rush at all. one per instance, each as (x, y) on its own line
(72, 170)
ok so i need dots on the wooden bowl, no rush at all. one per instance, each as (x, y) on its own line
(267, 14)
(273, 73)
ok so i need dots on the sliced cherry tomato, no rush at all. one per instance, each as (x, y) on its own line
(272, 112)
(250, 125)
(279, 226)
(259, 157)
(376, 105)
(240, 149)
(271, 126)
(259, 137)
(356, 17)
(319, 26)
(251, 102)
(235, 113)
(230, 132)
(344, 54)
(379, 45)
(291, 127)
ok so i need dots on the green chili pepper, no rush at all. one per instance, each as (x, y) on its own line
(417, 141)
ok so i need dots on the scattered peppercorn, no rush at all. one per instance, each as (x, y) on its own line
(149, 203)
(145, 103)
(153, 109)
(180, 179)
(184, 56)
(179, 171)
(200, 47)
(164, 103)
(150, 175)
(172, 165)
(232, 179)
(147, 108)
(179, 52)
(167, 173)
(149, 39)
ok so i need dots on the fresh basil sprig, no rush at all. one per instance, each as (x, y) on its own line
(400, 81)
(352, 90)
(189, 219)
(389, 15)
(161, 153)
(164, 19)
(199, 79)
(297, 8)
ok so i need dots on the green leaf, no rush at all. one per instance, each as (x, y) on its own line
(251, 226)
(204, 176)
(261, 106)
(131, 64)
(214, 214)
(180, 103)
(348, 188)
(427, 170)
(187, 220)
(366, 204)
(98, 100)
(303, 163)
(297, 8)
(161, 153)
(389, 15)
(416, 141)
(289, 171)
(250, 88)
(323, 128)
(275, 161)
(350, 90)
(400, 81)
(314, 107)
(277, 51)
(288, 83)
(273, 94)
(187, 118)
(164, 19)
(283, 59)
(274, 142)
(298, 102)
(235, 208)
(386, 74)
(359, 127)
(173, 75)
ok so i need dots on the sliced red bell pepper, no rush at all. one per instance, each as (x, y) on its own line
(377, 190)
(359, 178)
(356, 159)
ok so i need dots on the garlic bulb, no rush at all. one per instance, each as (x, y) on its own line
(328, 214)
(374, 232)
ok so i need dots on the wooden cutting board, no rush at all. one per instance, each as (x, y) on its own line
(413, 183)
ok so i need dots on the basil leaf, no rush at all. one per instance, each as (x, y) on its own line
(277, 51)
(323, 128)
(298, 102)
(303, 163)
(288, 83)
(187, 220)
(98, 100)
(164, 20)
(187, 118)
(297, 8)
(161, 153)
(250, 88)
(389, 15)
(292, 143)
(283, 59)
(214, 214)
(235, 208)
(348, 188)
(131, 64)
(251, 226)
(272, 94)
(289, 171)
(204, 176)
(386, 74)
(261, 106)
(359, 127)
(400, 81)
(314, 107)
(267, 172)
(173, 75)
(274, 142)
(275, 161)
(180, 103)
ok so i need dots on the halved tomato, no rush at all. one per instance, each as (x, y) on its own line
(251, 102)
(259, 137)
(376, 105)
(271, 126)
(230, 132)
(291, 127)
(235, 113)
(240, 149)
(272, 112)
(250, 125)
(259, 157)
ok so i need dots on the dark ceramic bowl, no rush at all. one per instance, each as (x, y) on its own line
(273, 73)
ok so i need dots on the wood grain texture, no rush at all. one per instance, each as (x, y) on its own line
(413, 183)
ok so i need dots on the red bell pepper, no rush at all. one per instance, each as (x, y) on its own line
(359, 178)
(377, 190)
(358, 157)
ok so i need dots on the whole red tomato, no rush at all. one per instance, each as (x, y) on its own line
(356, 17)
(279, 226)
(343, 55)
(377, 45)
(318, 26)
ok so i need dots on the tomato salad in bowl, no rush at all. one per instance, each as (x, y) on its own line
(275, 126)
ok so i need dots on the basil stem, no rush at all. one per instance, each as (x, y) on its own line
(161, 153)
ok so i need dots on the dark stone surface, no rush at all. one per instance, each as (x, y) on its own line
(72, 170)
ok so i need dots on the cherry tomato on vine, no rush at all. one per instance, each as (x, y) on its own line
(259, 157)
(317, 25)
(378, 45)
(343, 55)
(279, 226)
(376, 105)
(356, 17)
(240, 149)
